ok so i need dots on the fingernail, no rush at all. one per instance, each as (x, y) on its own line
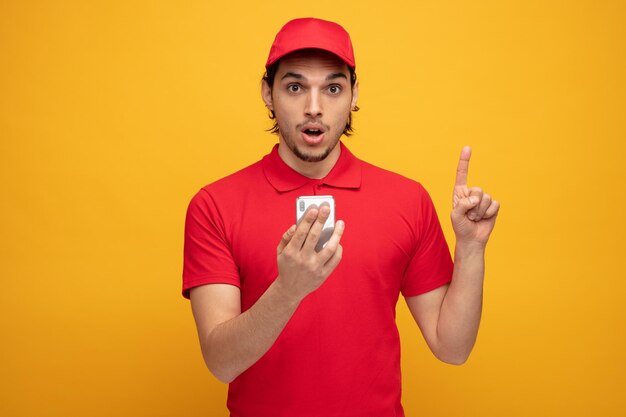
(473, 199)
(340, 224)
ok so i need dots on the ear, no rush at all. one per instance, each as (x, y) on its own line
(355, 94)
(266, 94)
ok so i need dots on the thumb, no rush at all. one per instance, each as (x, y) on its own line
(464, 205)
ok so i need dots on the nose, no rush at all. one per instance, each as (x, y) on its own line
(313, 107)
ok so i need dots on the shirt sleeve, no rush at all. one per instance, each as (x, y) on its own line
(207, 257)
(431, 265)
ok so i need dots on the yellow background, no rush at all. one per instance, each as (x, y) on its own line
(114, 113)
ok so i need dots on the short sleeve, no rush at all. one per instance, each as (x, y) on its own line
(208, 257)
(431, 265)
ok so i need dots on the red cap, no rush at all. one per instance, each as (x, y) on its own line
(313, 33)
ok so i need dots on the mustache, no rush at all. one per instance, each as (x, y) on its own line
(314, 122)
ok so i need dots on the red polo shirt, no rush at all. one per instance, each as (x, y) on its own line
(339, 355)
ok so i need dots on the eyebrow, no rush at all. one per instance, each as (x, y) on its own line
(329, 77)
(292, 75)
(336, 75)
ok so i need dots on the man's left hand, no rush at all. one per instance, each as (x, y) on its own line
(474, 212)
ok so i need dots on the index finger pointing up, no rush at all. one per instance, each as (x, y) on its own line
(461, 170)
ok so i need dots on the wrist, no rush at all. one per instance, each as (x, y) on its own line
(284, 293)
(469, 248)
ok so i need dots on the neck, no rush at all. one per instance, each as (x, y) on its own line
(315, 170)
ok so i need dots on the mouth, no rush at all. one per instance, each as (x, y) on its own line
(313, 135)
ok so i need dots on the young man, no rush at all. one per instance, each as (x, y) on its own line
(297, 332)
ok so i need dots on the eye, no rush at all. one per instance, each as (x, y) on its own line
(294, 88)
(334, 89)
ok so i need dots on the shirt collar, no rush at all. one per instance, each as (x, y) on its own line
(345, 174)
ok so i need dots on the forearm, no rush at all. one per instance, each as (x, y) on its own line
(459, 319)
(235, 345)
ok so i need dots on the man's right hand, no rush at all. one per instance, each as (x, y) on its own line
(233, 341)
(302, 270)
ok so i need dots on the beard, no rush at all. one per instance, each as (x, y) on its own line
(309, 157)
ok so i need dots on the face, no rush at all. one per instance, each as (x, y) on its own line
(311, 98)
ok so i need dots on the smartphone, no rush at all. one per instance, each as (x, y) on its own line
(306, 202)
